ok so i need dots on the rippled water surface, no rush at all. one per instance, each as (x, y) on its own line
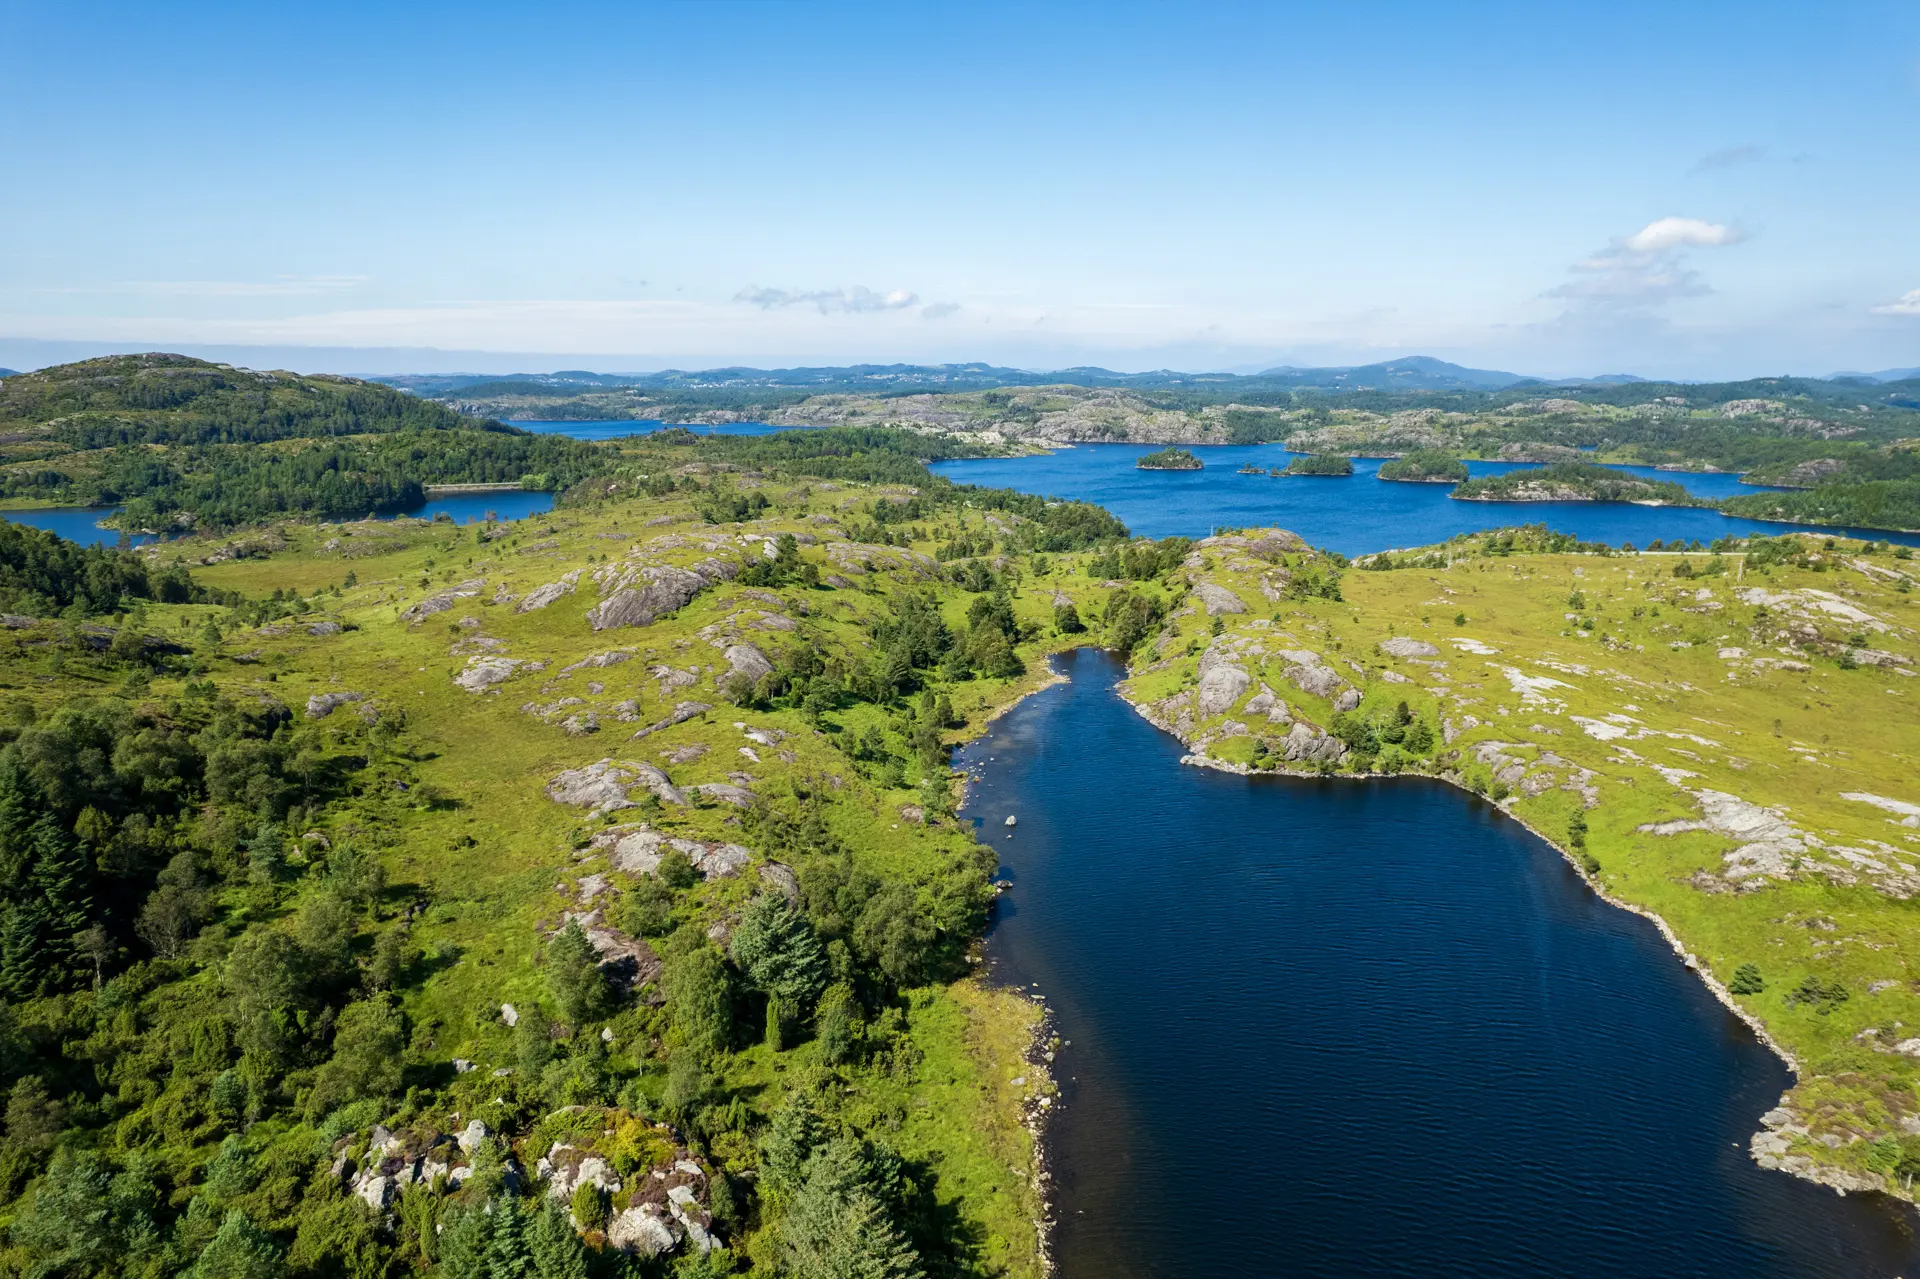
(1346, 1028)
(1352, 515)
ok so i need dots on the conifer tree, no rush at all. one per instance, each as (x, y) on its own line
(557, 1250)
(509, 1255)
(23, 949)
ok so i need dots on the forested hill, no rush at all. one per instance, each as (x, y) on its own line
(174, 399)
(179, 443)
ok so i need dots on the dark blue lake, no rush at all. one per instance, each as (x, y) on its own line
(1352, 515)
(1368, 1028)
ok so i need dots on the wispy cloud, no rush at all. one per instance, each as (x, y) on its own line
(1647, 267)
(854, 301)
(1727, 157)
(1908, 304)
(938, 310)
(279, 286)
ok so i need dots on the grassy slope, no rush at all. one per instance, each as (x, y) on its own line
(1678, 689)
(492, 898)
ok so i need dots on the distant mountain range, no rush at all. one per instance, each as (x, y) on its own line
(1884, 375)
(1415, 373)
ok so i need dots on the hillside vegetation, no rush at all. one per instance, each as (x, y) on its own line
(581, 896)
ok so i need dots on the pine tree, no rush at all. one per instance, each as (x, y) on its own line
(557, 1250)
(63, 879)
(63, 875)
(509, 1256)
(465, 1242)
(795, 1134)
(23, 949)
(838, 1228)
(241, 1250)
(19, 805)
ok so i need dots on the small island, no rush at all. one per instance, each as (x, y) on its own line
(1574, 482)
(1425, 466)
(1170, 459)
(1320, 465)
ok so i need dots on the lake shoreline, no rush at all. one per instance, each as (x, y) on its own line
(1839, 1180)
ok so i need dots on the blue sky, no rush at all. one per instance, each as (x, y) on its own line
(1700, 190)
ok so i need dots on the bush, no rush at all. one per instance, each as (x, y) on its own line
(1747, 980)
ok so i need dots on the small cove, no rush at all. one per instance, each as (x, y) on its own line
(1367, 1028)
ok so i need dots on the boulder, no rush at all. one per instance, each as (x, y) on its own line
(321, 705)
(601, 787)
(1267, 702)
(1221, 687)
(781, 879)
(1347, 700)
(476, 1132)
(682, 712)
(646, 1231)
(541, 596)
(666, 589)
(726, 793)
(483, 673)
(1405, 646)
(747, 662)
(1308, 672)
(1218, 599)
(1307, 744)
(443, 601)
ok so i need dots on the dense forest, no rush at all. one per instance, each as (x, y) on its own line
(173, 399)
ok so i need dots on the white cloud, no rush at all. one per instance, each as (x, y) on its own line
(1648, 266)
(938, 310)
(1908, 304)
(855, 300)
(1663, 234)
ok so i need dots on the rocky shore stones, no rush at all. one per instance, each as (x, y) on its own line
(1308, 745)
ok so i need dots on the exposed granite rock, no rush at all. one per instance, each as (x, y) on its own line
(1406, 646)
(747, 662)
(444, 600)
(541, 596)
(321, 705)
(1218, 599)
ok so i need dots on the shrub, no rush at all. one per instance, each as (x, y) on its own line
(1747, 980)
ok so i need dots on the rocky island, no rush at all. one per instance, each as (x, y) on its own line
(1169, 459)
(1320, 465)
(1574, 482)
(1424, 466)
